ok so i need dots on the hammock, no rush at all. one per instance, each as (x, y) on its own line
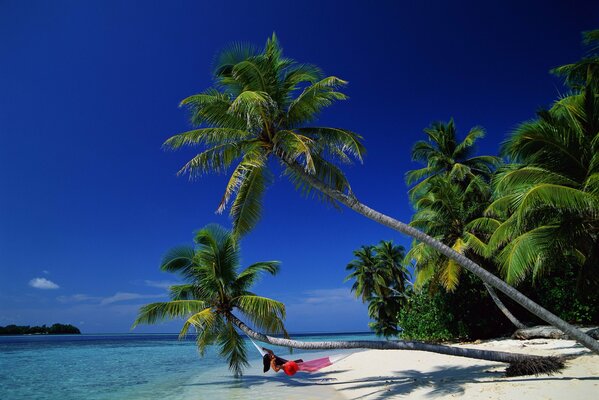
(311, 365)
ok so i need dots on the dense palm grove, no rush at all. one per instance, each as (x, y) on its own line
(533, 218)
(530, 216)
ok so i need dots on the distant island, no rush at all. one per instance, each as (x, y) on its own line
(56, 329)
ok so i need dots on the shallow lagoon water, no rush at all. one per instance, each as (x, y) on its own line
(106, 367)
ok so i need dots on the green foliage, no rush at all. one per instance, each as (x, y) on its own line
(444, 155)
(259, 108)
(426, 317)
(380, 279)
(555, 291)
(433, 314)
(450, 192)
(547, 200)
(55, 329)
(214, 287)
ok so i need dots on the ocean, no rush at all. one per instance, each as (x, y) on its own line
(149, 366)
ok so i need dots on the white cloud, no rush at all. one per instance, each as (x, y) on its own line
(124, 296)
(160, 284)
(46, 272)
(43, 283)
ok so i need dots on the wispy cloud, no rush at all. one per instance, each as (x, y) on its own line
(103, 301)
(77, 298)
(43, 283)
(125, 296)
(160, 284)
(328, 296)
(46, 272)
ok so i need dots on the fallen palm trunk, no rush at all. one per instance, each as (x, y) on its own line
(550, 332)
(519, 364)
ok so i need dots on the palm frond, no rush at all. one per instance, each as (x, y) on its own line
(251, 274)
(200, 321)
(314, 98)
(208, 136)
(525, 252)
(247, 207)
(232, 347)
(179, 260)
(155, 312)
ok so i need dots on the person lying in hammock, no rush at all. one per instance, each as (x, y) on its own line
(270, 360)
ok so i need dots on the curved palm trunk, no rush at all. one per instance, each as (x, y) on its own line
(503, 308)
(524, 363)
(487, 277)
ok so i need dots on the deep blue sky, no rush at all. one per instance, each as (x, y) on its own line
(89, 91)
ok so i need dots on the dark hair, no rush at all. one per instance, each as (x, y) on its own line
(266, 362)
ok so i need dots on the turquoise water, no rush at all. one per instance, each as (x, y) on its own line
(103, 367)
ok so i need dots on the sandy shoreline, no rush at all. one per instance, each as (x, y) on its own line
(385, 374)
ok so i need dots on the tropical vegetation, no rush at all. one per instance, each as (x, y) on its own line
(380, 279)
(54, 329)
(261, 107)
(214, 287)
(535, 220)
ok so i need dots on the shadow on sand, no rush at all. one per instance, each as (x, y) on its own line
(449, 380)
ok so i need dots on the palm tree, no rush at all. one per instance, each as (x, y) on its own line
(444, 155)
(213, 288)
(547, 210)
(380, 279)
(448, 194)
(258, 109)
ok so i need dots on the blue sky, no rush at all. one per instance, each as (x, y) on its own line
(89, 91)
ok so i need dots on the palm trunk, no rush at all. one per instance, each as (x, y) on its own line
(524, 363)
(503, 308)
(352, 202)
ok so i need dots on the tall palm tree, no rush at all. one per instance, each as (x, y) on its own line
(214, 287)
(260, 108)
(380, 279)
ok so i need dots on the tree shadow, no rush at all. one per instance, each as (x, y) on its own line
(299, 380)
(442, 381)
(448, 380)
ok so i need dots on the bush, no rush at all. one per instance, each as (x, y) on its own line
(426, 317)
(468, 313)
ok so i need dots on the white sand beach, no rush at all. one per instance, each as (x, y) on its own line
(390, 374)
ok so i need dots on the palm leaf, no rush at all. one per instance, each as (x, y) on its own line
(155, 312)
(200, 321)
(247, 207)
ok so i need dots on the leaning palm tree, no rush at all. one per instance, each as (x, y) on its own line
(214, 287)
(215, 290)
(260, 108)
